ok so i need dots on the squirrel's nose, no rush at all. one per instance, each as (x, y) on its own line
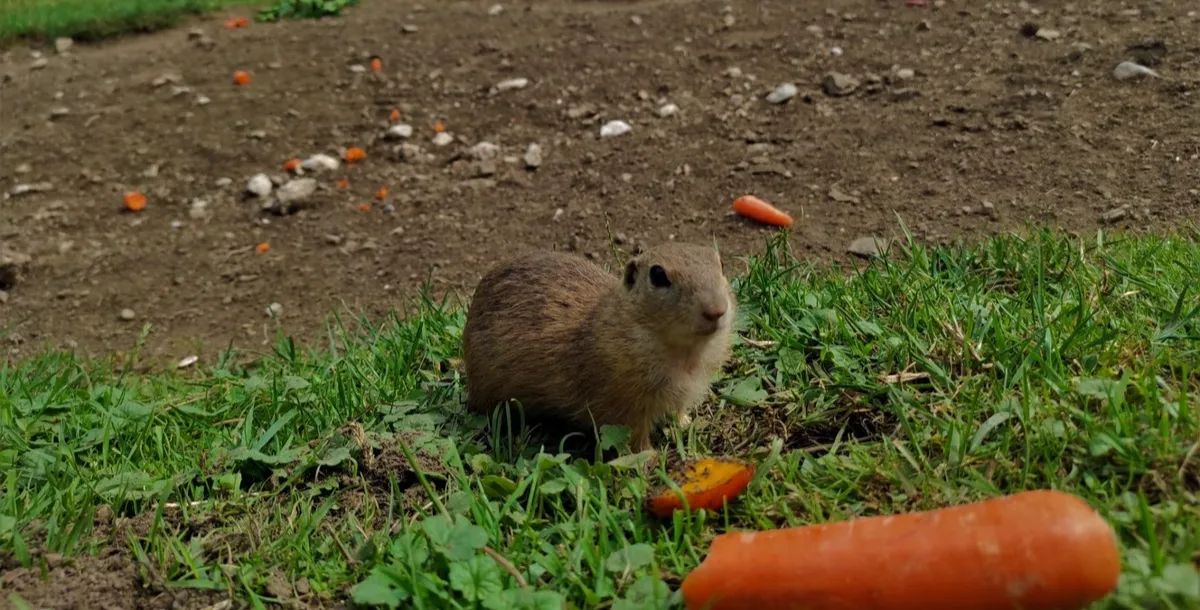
(713, 314)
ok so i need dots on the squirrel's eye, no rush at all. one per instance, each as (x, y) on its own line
(658, 277)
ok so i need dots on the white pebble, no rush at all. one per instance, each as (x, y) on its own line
(615, 128)
(259, 186)
(187, 361)
(836, 51)
(400, 131)
(496, 9)
(1128, 70)
(442, 139)
(320, 162)
(668, 110)
(512, 83)
(782, 93)
(274, 310)
(905, 74)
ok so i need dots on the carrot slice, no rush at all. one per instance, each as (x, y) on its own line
(707, 484)
(135, 201)
(262, 248)
(241, 77)
(1033, 550)
(355, 153)
(756, 209)
(292, 165)
(395, 115)
(382, 193)
(343, 183)
(364, 207)
(376, 64)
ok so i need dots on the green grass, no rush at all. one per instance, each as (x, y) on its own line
(97, 19)
(1044, 361)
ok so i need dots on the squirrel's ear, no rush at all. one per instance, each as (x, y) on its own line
(631, 273)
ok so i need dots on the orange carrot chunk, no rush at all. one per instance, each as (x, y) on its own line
(756, 209)
(707, 484)
(292, 165)
(135, 201)
(1034, 550)
(354, 153)
(241, 77)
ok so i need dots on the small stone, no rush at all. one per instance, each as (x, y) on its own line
(358, 68)
(39, 63)
(25, 189)
(296, 191)
(23, 168)
(260, 186)
(320, 162)
(635, 20)
(484, 151)
(63, 45)
(274, 310)
(443, 139)
(1128, 70)
(668, 110)
(223, 182)
(202, 100)
(512, 83)
(168, 78)
(1115, 215)
(59, 112)
(187, 361)
(782, 93)
(127, 315)
(533, 156)
(837, 84)
(905, 74)
(1048, 34)
(839, 196)
(867, 247)
(495, 9)
(198, 210)
(400, 131)
(615, 128)
(409, 28)
(407, 152)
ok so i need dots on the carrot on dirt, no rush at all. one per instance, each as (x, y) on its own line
(262, 248)
(364, 207)
(376, 64)
(395, 115)
(292, 165)
(135, 201)
(707, 484)
(756, 209)
(382, 193)
(241, 77)
(354, 153)
(1033, 550)
(343, 183)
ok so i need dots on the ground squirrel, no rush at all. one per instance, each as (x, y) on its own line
(565, 338)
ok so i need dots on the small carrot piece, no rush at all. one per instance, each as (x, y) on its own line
(241, 77)
(135, 201)
(364, 207)
(381, 194)
(438, 127)
(355, 153)
(237, 22)
(343, 183)
(262, 248)
(376, 64)
(395, 115)
(1034, 550)
(707, 484)
(292, 165)
(756, 209)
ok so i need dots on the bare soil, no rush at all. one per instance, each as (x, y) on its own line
(998, 125)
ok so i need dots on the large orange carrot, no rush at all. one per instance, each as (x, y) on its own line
(756, 209)
(1035, 550)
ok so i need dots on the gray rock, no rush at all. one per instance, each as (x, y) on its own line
(867, 247)
(512, 83)
(837, 84)
(320, 162)
(296, 191)
(127, 315)
(533, 156)
(484, 151)
(1115, 215)
(63, 45)
(668, 110)
(615, 128)
(443, 139)
(39, 63)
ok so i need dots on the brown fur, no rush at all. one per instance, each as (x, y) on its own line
(565, 338)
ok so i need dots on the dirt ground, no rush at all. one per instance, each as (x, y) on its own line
(956, 118)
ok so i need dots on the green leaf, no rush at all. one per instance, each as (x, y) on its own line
(552, 487)
(1182, 579)
(409, 549)
(458, 541)
(613, 437)
(1092, 387)
(526, 599)
(648, 593)
(746, 392)
(335, 457)
(477, 578)
(630, 558)
(380, 588)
